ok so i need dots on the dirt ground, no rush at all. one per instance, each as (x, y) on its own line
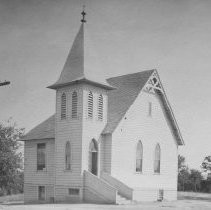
(193, 201)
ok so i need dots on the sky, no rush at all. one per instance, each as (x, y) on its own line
(172, 36)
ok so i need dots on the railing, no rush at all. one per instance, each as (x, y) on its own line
(100, 187)
(123, 189)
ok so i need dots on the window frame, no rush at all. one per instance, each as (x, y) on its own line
(149, 109)
(74, 112)
(63, 107)
(70, 158)
(100, 108)
(74, 194)
(90, 106)
(142, 151)
(38, 193)
(45, 160)
(157, 161)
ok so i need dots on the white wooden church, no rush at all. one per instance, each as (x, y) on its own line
(109, 141)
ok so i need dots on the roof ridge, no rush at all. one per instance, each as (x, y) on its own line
(131, 74)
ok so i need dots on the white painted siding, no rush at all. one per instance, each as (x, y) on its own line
(34, 178)
(92, 128)
(135, 126)
(106, 144)
(31, 175)
(68, 129)
(79, 132)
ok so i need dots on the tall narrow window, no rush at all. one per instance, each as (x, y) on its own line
(157, 159)
(100, 107)
(90, 105)
(139, 157)
(150, 109)
(41, 156)
(63, 106)
(74, 104)
(93, 157)
(41, 193)
(67, 156)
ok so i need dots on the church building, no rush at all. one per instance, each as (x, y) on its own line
(110, 141)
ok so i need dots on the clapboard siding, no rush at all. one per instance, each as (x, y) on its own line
(31, 193)
(135, 126)
(79, 132)
(106, 153)
(31, 175)
(68, 130)
(92, 128)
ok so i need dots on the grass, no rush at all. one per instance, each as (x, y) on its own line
(194, 196)
(186, 200)
(11, 198)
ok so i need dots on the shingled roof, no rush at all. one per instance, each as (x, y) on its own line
(119, 100)
(82, 64)
(45, 130)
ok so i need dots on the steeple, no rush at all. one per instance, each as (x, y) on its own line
(82, 64)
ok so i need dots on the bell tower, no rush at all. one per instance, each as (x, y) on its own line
(81, 115)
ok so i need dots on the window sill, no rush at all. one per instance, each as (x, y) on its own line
(156, 173)
(138, 173)
(67, 170)
(42, 171)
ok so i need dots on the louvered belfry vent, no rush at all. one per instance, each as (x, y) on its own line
(100, 107)
(74, 104)
(90, 105)
(63, 106)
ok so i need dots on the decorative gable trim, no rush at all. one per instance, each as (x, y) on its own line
(153, 83)
(154, 86)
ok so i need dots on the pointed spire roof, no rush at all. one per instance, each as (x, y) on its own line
(82, 64)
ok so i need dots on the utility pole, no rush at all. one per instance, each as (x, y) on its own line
(4, 83)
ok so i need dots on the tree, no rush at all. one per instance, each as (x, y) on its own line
(206, 164)
(195, 178)
(183, 179)
(181, 162)
(10, 159)
(183, 173)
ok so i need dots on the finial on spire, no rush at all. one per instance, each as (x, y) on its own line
(83, 15)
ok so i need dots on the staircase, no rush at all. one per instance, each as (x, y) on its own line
(120, 200)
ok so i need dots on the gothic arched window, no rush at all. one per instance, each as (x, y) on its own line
(90, 105)
(74, 104)
(100, 107)
(139, 157)
(157, 159)
(67, 156)
(63, 106)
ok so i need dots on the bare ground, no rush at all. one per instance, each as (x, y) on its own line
(193, 201)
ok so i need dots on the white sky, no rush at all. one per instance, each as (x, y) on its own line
(172, 36)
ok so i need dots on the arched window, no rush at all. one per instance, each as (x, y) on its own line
(90, 105)
(74, 104)
(157, 159)
(67, 156)
(100, 107)
(139, 157)
(63, 106)
(93, 157)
